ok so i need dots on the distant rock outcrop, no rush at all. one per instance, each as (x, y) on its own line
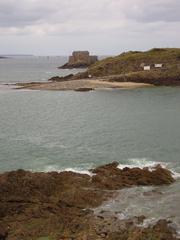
(61, 79)
(80, 59)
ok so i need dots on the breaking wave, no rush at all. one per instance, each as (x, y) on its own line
(145, 163)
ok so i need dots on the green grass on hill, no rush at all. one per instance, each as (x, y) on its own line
(131, 62)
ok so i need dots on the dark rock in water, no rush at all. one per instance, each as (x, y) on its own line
(160, 231)
(152, 193)
(80, 59)
(3, 233)
(84, 89)
(61, 79)
(58, 205)
(74, 65)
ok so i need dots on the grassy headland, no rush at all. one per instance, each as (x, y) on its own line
(123, 71)
(129, 67)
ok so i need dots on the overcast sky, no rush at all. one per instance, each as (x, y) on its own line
(56, 27)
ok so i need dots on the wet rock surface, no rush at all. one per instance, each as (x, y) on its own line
(84, 89)
(61, 79)
(74, 65)
(59, 205)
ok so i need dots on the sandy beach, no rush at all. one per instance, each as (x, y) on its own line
(80, 84)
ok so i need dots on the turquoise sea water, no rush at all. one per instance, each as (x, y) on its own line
(45, 131)
(41, 130)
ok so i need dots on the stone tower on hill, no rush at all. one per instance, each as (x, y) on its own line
(80, 59)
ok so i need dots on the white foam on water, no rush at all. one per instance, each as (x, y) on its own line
(51, 168)
(132, 163)
(141, 163)
(145, 163)
(76, 170)
(148, 222)
(55, 168)
(175, 174)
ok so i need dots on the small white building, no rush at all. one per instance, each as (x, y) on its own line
(147, 68)
(158, 65)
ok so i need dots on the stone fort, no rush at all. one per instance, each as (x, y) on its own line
(82, 57)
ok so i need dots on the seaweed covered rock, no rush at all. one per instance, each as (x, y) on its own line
(59, 205)
(111, 177)
(61, 79)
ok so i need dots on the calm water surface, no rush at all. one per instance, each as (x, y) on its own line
(42, 130)
(27, 69)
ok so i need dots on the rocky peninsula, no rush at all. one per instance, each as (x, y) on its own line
(55, 206)
(156, 67)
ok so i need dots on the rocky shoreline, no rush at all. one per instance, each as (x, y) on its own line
(55, 206)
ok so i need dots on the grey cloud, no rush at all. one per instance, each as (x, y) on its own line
(25, 12)
(29, 12)
(57, 17)
(156, 10)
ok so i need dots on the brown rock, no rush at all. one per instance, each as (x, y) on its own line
(61, 79)
(84, 89)
(3, 233)
(110, 177)
(58, 205)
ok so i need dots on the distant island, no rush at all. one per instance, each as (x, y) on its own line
(156, 67)
(3, 57)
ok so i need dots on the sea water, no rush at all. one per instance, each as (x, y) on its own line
(47, 131)
(32, 68)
